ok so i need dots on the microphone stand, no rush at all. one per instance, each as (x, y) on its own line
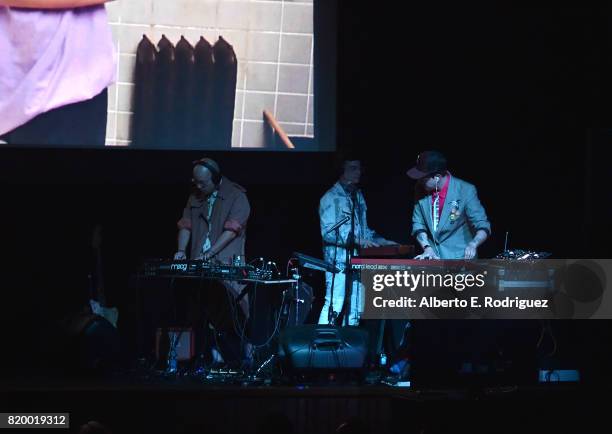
(331, 315)
(350, 245)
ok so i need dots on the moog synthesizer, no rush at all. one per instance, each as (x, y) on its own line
(205, 270)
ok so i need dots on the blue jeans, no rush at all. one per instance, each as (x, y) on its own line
(356, 302)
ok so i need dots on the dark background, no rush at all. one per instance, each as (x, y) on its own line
(518, 100)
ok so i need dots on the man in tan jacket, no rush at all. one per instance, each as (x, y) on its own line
(214, 221)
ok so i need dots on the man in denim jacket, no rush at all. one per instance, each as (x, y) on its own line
(336, 204)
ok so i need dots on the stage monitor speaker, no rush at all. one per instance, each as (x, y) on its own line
(323, 348)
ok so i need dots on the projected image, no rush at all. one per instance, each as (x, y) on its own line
(158, 74)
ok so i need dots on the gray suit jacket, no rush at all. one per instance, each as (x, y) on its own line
(462, 215)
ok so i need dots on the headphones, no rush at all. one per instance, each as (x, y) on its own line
(216, 174)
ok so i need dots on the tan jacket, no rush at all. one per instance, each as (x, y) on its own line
(230, 212)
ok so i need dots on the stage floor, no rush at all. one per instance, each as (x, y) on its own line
(181, 405)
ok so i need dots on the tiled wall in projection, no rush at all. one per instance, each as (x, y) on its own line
(273, 41)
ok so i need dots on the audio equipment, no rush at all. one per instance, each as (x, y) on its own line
(206, 270)
(310, 351)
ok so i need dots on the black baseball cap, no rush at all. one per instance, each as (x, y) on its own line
(428, 163)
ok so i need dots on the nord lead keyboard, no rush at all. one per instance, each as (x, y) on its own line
(205, 270)
(407, 264)
(392, 251)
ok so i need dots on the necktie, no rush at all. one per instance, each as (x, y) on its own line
(436, 216)
(211, 203)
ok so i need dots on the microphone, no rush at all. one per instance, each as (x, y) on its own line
(339, 223)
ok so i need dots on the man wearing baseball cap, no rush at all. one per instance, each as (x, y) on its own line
(449, 222)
